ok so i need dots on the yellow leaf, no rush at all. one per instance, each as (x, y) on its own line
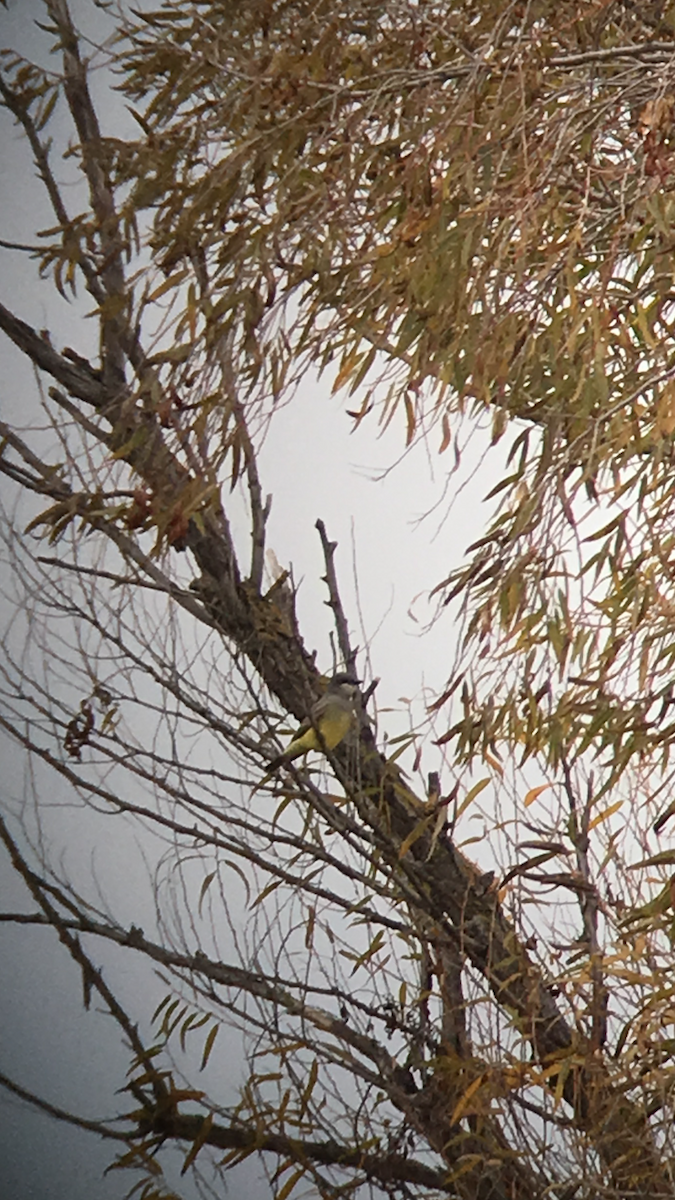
(607, 812)
(644, 667)
(643, 325)
(172, 282)
(290, 1184)
(471, 795)
(410, 418)
(463, 1101)
(413, 836)
(531, 796)
(372, 950)
(309, 1087)
(494, 763)
(346, 367)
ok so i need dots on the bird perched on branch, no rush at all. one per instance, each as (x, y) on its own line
(329, 721)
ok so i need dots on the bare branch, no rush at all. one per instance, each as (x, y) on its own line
(589, 902)
(20, 246)
(656, 52)
(76, 380)
(347, 654)
(60, 1114)
(79, 417)
(91, 976)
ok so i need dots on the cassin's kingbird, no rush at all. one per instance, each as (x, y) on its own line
(329, 721)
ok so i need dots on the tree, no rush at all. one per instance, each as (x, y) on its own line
(459, 210)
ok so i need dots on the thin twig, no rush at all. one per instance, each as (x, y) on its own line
(79, 417)
(589, 906)
(92, 977)
(667, 49)
(21, 246)
(167, 589)
(41, 159)
(60, 1113)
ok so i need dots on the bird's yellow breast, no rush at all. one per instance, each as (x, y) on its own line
(333, 726)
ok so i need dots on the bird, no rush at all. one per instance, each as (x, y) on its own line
(329, 721)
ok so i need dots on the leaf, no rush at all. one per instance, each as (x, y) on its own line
(523, 868)
(471, 795)
(447, 434)
(533, 793)
(267, 891)
(174, 354)
(208, 1045)
(286, 1190)
(372, 950)
(494, 763)
(402, 743)
(242, 875)
(172, 282)
(309, 1087)
(206, 1127)
(607, 812)
(643, 667)
(563, 1075)
(288, 798)
(162, 1004)
(309, 929)
(464, 1100)
(664, 858)
(346, 367)
(137, 439)
(185, 1029)
(415, 834)
(173, 1019)
(615, 523)
(47, 110)
(208, 880)
(410, 417)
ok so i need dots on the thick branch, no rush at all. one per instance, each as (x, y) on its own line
(75, 379)
(384, 1168)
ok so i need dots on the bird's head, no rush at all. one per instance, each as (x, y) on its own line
(344, 683)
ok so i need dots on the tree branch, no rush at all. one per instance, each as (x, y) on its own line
(116, 341)
(91, 977)
(41, 158)
(334, 603)
(79, 382)
(61, 1114)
